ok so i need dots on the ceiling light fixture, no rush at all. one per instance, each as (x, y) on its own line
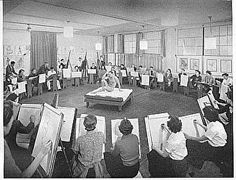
(68, 30)
(210, 42)
(143, 43)
(98, 45)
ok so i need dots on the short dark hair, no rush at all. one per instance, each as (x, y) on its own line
(198, 71)
(12, 97)
(13, 62)
(125, 127)
(90, 122)
(51, 67)
(225, 74)
(208, 72)
(21, 70)
(174, 124)
(8, 112)
(211, 114)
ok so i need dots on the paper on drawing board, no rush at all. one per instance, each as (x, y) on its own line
(203, 102)
(26, 110)
(212, 99)
(123, 72)
(76, 74)
(21, 87)
(108, 68)
(145, 80)
(184, 80)
(188, 125)
(223, 91)
(92, 71)
(116, 134)
(66, 73)
(49, 130)
(42, 78)
(14, 80)
(134, 74)
(68, 119)
(160, 77)
(155, 129)
(130, 69)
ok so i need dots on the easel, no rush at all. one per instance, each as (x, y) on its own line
(55, 105)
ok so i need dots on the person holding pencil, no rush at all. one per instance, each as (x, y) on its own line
(168, 160)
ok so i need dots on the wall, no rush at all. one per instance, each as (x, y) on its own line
(80, 45)
(16, 46)
(17, 43)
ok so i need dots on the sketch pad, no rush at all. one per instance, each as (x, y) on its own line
(145, 80)
(68, 119)
(26, 110)
(116, 134)
(155, 133)
(49, 130)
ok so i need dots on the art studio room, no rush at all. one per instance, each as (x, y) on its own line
(117, 88)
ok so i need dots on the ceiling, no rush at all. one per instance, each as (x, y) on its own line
(102, 17)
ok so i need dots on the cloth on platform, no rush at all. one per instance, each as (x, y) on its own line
(166, 167)
(124, 93)
(117, 169)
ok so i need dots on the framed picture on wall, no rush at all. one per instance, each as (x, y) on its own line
(183, 63)
(212, 65)
(194, 64)
(226, 66)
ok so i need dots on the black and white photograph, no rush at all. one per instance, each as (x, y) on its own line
(117, 88)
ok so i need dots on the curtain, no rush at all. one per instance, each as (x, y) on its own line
(110, 44)
(120, 44)
(43, 48)
(104, 44)
(163, 44)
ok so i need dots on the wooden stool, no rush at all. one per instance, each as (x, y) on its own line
(54, 82)
(29, 88)
(175, 85)
(40, 88)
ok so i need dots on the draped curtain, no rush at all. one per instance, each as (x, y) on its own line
(43, 48)
(120, 43)
(163, 44)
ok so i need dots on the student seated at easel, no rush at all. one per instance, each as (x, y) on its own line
(152, 76)
(210, 146)
(11, 170)
(123, 160)
(24, 159)
(170, 161)
(49, 79)
(195, 79)
(88, 149)
(168, 79)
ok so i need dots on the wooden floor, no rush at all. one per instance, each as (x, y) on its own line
(145, 102)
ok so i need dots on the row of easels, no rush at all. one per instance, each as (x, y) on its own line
(157, 133)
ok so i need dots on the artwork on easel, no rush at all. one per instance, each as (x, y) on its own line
(212, 65)
(226, 66)
(194, 64)
(49, 131)
(183, 63)
(25, 112)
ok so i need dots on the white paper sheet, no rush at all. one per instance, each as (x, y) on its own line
(223, 91)
(134, 74)
(184, 80)
(21, 87)
(42, 78)
(160, 77)
(145, 80)
(66, 73)
(76, 74)
(123, 72)
(68, 119)
(212, 99)
(49, 130)
(91, 71)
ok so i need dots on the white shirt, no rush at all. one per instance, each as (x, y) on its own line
(228, 81)
(216, 134)
(51, 73)
(176, 146)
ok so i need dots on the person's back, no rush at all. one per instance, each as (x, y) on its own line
(129, 149)
(90, 147)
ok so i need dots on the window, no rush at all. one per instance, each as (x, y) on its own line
(223, 35)
(189, 41)
(110, 44)
(154, 42)
(130, 43)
